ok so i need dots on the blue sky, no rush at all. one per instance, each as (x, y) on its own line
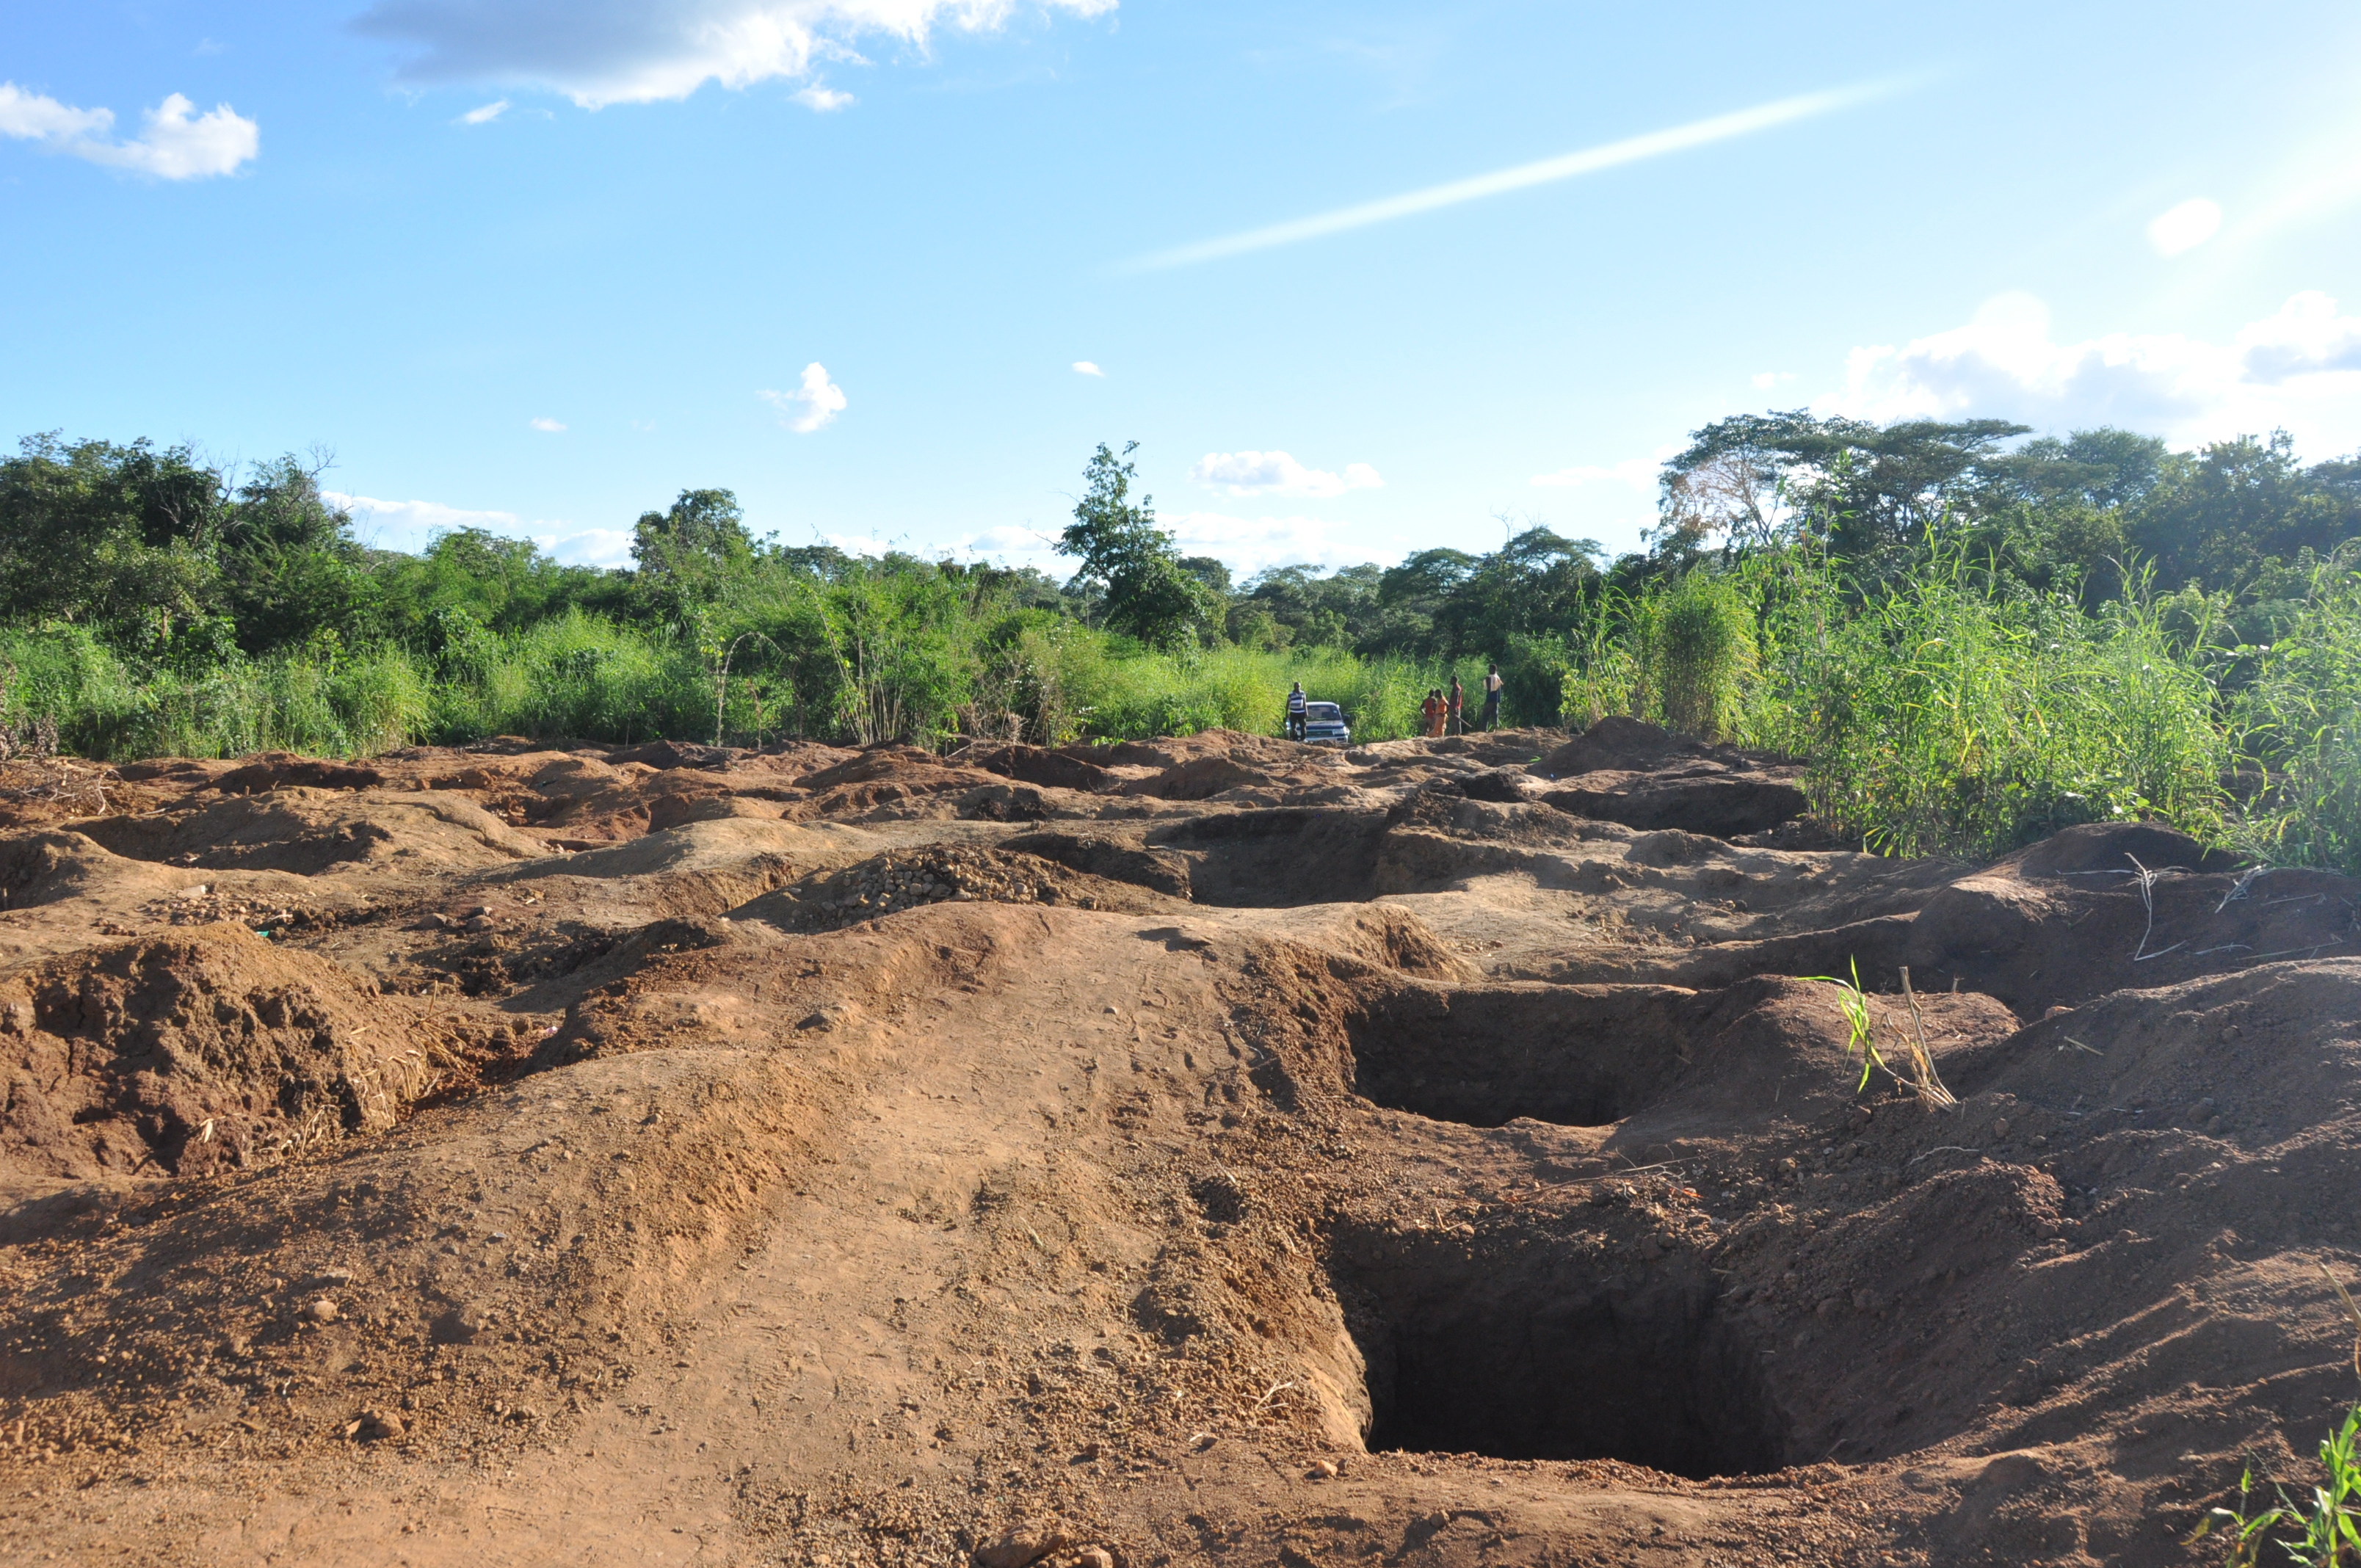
(541, 265)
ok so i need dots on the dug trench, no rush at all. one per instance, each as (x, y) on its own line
(1214, 1151)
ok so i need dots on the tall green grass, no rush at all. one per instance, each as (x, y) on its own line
(1942, 713)
(1949, 711)
(2301, 720)
(321, 700)
(582, 677)
(1944, 717)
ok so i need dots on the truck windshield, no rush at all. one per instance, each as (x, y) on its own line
(1324, 713)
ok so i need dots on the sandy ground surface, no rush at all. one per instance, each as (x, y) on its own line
(1211, 1151)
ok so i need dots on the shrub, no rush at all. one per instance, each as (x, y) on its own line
(1700, 653)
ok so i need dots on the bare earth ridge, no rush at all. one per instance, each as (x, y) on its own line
(1206, 1151)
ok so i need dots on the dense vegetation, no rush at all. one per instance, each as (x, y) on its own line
(1973, 638)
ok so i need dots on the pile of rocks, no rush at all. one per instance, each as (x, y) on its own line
(907, 879)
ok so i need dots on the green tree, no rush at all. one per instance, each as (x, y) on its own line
(1872, 492)
(688, 558)
(291, 569)
(2219, 517)
(1147, 592)
(115, 537)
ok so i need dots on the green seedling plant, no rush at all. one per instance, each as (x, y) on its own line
(2329, 1522)
(1918, 1072)
(2329, 1534)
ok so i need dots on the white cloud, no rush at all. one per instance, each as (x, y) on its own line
(2299, 369)
(810, 405)
(2185, 227)
(414, 525)
(624, 51)
(1639, 473)
(1025, 546)
(486, 113)
(1084, 367)
(546, 426)
(1277, 474)
(36, 118)
(1765, 379)
(587, 547)
(174, 146)
(823, 100)
(1247, 545)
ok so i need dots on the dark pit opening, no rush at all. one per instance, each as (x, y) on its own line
(1278, 858)
(1530, 1363)
(1584, 1058)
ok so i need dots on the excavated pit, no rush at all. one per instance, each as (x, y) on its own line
(1537, 1354)
(1278, 858)
(1577, 1056)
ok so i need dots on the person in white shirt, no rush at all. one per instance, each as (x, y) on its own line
(1492, 684)
(1295, 719)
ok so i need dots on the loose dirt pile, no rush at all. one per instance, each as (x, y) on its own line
(1214, 1150)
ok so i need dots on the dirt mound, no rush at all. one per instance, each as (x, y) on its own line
(1623, 770)
(938, 874)
(283, 770)
(1722, 804)
(1618, 744)
(1231, 744)
(1033, 764)
(209, 1048)
(1101, 855)
(309, 830)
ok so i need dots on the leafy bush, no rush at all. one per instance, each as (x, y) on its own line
(2300, 721)
(1700, 653)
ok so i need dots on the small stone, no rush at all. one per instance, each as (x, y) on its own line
(380, 1426)
(2000, 1127)
(1024, 1545)
(1094, 1557)
(1324, 1469)
(1651, 1248)
(322, 1311)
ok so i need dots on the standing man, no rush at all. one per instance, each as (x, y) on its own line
(1458, 708)
(1295, 714)
(1492, 684)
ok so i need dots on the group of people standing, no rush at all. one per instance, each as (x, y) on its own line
(1444, 713)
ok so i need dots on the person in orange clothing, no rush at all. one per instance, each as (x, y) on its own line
(1429, 712)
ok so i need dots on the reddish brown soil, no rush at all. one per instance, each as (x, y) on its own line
(1217, 1151)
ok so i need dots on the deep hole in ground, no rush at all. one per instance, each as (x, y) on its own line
(1279, 858)
(1535, 1356)
(1584, 1056)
